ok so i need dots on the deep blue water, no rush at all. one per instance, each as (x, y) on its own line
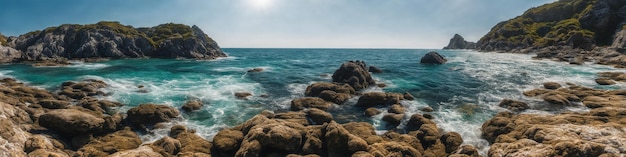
(464, 92)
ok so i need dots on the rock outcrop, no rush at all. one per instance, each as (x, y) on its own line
(458, 42)
(592, 133)
(355, 74)
(111, 40)
(433, 58)
(566, 30)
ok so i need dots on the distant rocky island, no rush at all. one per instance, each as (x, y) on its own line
(458, 42)
(108, 40)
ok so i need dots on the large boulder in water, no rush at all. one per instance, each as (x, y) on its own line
(355, 74)
(433, 58)
(151, 114)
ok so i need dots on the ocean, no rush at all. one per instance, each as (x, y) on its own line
(463, 92)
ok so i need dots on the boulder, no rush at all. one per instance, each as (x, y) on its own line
(228, 140)
(243, 95)
(372, 111)
(53, 104)
(106, 145)
(143, 151)
(167, 146)
(514, 105)
(318, 116)
(374, 69)
(316, 89)
(557, 99)
(309, 102)
(393, 149)
(379, 99)
(416, 121)
(433, 58)
(340, 142)
(408, 96)
(354, 74)
(452, 141)
(397, 109)
(71, 121)
(427, 109)
(551, 85)
(192, 105)
(605, 81)
(192, 143)
(151, 114)
(332, 96)
(393, 119)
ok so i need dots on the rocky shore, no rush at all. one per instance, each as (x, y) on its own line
(107, 40)
(73, 121)
(599, 131)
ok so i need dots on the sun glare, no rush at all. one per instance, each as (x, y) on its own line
(261, 4)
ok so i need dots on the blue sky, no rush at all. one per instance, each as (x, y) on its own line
(282, 23)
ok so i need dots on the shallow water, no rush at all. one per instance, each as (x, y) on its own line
(464, 92)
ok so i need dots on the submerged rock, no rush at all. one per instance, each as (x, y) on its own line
(514, 105)
(151, 114)
(192, 105)
(433, 58)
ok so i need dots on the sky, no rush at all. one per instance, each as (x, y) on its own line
(282, 23)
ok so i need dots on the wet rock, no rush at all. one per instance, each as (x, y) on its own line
(397, 109)
(295, 117)
(333, 92)
(551, 85)
(372, 111)
(374, 69)
(393, 119)
(514, 105)
(408, 96)
(167, 146)
(416, 121)
(71, 121)
(243, 95)
(53, 104)
(151, 114)
(341, 143)
(354, 74)
(192, 105)
(605, 81)
(318, 116)
(228, 140)
(379, 99)
(427, 109)
(332, 96)
(535, 92)
(192, 143)
(468, 150)
(309, 102)
(433, 58)
(452, 141)
(103, 146)
(363, 130)
(557, 99)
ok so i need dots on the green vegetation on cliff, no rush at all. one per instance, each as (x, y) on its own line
(155, 35)
(565, 22)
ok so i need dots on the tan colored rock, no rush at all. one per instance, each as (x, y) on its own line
(397, 109)
(228, 140)
(243, 95)
(452, 141)
(309, 102)
(379, 99)
(143, 151)
(167, 146)
(71, 121)
(514, 105)
(605, 81)
(393, 149)
(106, 145)
(192, 143)
(332, 96)
(341, 143)
(151, 114)
(192, 105)
(318, 116)
(372, 111)
(393, 119)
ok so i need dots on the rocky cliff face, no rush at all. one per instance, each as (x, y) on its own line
(458, 42)
(581, 24)
(113, 40)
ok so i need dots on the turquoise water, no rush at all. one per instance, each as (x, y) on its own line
(464, 92)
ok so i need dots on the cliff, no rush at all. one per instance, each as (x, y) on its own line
(113, 40)
(574, 31)
(580, 24)
(458, 42)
